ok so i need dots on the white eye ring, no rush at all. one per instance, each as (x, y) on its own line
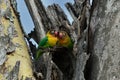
(52, 32)
(64, 34)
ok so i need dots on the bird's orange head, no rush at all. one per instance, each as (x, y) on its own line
(62, 35)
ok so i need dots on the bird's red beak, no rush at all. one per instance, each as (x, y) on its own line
(60, 35)
(56, 33)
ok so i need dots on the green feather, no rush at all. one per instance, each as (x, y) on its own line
(70, 46)
(43, 42)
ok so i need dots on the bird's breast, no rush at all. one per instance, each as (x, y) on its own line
(52, 41)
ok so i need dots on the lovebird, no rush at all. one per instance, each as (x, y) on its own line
(64, 40)
(49, 41)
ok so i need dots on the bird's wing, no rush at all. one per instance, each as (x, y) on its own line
(43, 42)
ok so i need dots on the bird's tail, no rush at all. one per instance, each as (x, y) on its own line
(38, 54)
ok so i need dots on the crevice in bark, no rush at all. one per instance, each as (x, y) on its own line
(87, 70)
(91, 65)
(92, 62)
(65, 61)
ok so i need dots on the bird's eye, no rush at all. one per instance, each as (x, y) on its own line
(52, 32)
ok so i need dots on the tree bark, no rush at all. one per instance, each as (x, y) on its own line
(37, 19)
(15, 62)
(105, 22)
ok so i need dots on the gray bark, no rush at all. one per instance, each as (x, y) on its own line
(105, 22)
(37, 19)
(56, 15)
(7, 34)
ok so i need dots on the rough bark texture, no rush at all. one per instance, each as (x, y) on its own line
(98, 24)
(56, 15)
(14, 57)
(105, 22)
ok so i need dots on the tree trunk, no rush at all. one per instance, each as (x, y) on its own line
(105, 22)
(15, 62)
(95, 32)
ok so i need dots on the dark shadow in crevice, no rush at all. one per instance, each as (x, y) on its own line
(63, 58)
(91, 68)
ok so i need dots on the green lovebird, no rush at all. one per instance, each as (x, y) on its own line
(49, 41)
(64, 40)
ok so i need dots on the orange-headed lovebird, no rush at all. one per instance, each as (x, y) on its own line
(64, 40)
(48, 42)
